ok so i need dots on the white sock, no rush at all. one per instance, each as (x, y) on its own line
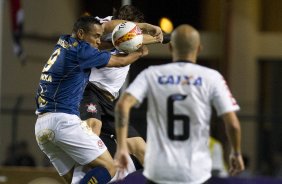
(131, 167)
(78, 174)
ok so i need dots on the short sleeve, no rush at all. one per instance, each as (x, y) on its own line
(139, 87)
(222, 99)
(103, 20)
(89, 57)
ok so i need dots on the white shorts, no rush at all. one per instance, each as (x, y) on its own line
(66, 140)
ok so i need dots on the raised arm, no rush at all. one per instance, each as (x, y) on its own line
(106, 40)
(233, 130)
(154, 31)
(150, 29)
(123, 60)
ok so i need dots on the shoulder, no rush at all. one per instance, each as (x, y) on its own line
(195, 68)
(104, 19)
(159, 67)
(209, 73)
(69, 42)
(86, 51)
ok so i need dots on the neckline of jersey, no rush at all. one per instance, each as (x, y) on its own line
(183, 61)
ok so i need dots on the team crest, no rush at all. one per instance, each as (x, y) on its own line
(100, 144)
(91, 108)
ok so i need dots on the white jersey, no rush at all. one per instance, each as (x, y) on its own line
(180, 98)
(110, 79)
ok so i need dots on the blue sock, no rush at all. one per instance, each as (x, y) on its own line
(96, 175)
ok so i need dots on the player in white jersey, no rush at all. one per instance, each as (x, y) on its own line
(97, 106)
(99, 95)
(180, 99)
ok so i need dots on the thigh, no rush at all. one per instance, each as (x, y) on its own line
(45, 132)
(78, 141)
(136, 144)
(95, 125)
(105, 160)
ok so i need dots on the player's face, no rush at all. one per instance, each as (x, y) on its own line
(93, 35)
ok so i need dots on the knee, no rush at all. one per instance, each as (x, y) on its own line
(111, 168)
(95, 125)
(106, 161)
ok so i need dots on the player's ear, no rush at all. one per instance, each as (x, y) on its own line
(200, 48)
(80, 34)
(170, 47)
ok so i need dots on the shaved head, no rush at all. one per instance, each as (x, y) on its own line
(185, 40)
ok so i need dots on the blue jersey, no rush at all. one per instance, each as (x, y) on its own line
(66, 74)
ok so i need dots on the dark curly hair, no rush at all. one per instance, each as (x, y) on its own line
(130, 13)
(84, 23)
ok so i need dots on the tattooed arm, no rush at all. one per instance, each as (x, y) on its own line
(122, 110)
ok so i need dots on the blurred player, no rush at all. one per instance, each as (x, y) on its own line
(58, 129)
(99, 97)
(217, 156)
(180, 97)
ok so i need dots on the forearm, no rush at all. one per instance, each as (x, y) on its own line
(233, 131)
(120, 61)
(147, 28)
(121, 125)
(122, 111)
(148, 39)
(151, 30)
(234, 136)
(109, 26)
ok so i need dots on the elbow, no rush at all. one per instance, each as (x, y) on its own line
(120, 108)
(234, 127)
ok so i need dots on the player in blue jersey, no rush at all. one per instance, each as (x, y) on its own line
(58, 129)
(98, 101)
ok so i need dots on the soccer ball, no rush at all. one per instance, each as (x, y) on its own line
(127, 37)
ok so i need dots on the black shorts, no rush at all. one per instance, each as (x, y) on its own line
(97, 104)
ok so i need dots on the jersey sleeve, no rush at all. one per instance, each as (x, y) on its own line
(89, 57)
(139, 87)
(105, 19)
(222, 99)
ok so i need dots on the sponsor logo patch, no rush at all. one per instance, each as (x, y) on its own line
(44, 136)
